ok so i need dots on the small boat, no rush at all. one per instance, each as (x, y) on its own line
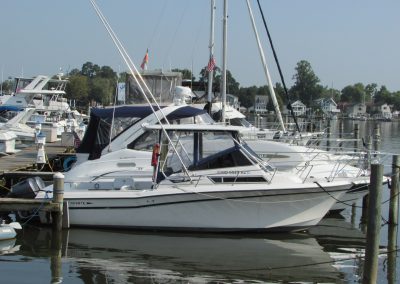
(7, 231)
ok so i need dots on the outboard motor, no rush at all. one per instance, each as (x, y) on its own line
(28, 188)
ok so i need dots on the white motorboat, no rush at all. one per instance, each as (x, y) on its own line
(46, 96)
(17, 123)
(216, 184)
(103, 164)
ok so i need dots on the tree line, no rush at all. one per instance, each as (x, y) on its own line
(93, 84)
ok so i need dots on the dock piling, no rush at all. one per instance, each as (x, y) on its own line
(394, 192)
(340, 133)
(58, 197)
(374, 225)
(377, 137)
(356, 137)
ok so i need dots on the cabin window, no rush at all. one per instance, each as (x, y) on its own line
(145, 142)
(237, 179)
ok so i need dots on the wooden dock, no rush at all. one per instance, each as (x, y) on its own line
(26, 157)
(22, 165)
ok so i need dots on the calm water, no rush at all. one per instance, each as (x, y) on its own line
(329, 253)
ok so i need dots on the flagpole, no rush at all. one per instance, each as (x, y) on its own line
(224, 47)
(211, 72)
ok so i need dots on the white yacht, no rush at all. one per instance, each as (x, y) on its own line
(204, 179)
(46, 96)
(14, 121)
(116, 150)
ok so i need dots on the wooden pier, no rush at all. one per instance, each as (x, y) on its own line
(22, 165)
(26, 157)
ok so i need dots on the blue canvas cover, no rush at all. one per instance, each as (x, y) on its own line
(97, 135)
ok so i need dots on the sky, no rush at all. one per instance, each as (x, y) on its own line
(346, 42)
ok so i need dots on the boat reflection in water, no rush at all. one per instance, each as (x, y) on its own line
(331, 252)
(122, 257)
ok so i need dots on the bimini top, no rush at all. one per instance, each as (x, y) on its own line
(123, 111)
(97, 135)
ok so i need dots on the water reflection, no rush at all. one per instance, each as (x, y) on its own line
(99, 256)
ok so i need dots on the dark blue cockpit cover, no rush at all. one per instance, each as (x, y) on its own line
(96, 137)
(143, 111)
(123, 111)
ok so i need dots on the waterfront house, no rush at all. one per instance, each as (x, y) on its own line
(298, 107)
(260, 104)
(328, 106)
(383, 112)
(357, 111)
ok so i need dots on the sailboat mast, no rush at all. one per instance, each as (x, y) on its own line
(211, 71)
(266, 71)
(224, 47)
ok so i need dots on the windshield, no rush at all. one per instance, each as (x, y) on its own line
(200, 151)
(240, 122)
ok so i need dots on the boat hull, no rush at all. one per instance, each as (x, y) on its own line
(203, 210)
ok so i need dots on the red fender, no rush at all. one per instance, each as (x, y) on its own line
(156, 153)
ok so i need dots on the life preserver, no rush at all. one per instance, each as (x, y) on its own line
(68, 162)
(155, 155)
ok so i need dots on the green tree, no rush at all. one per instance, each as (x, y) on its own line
(90, 70)
(396, 101)
(102, 90)
(203, 75)
(122, 77)
(74, 72)
(331, 93)
(107, 72)
(247, 95)
(78, 89)
(306, 87)
(383, 96)
(370, 91)
(232, 86)
(353, 94)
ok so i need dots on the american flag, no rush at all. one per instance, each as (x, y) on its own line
(211, 64)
